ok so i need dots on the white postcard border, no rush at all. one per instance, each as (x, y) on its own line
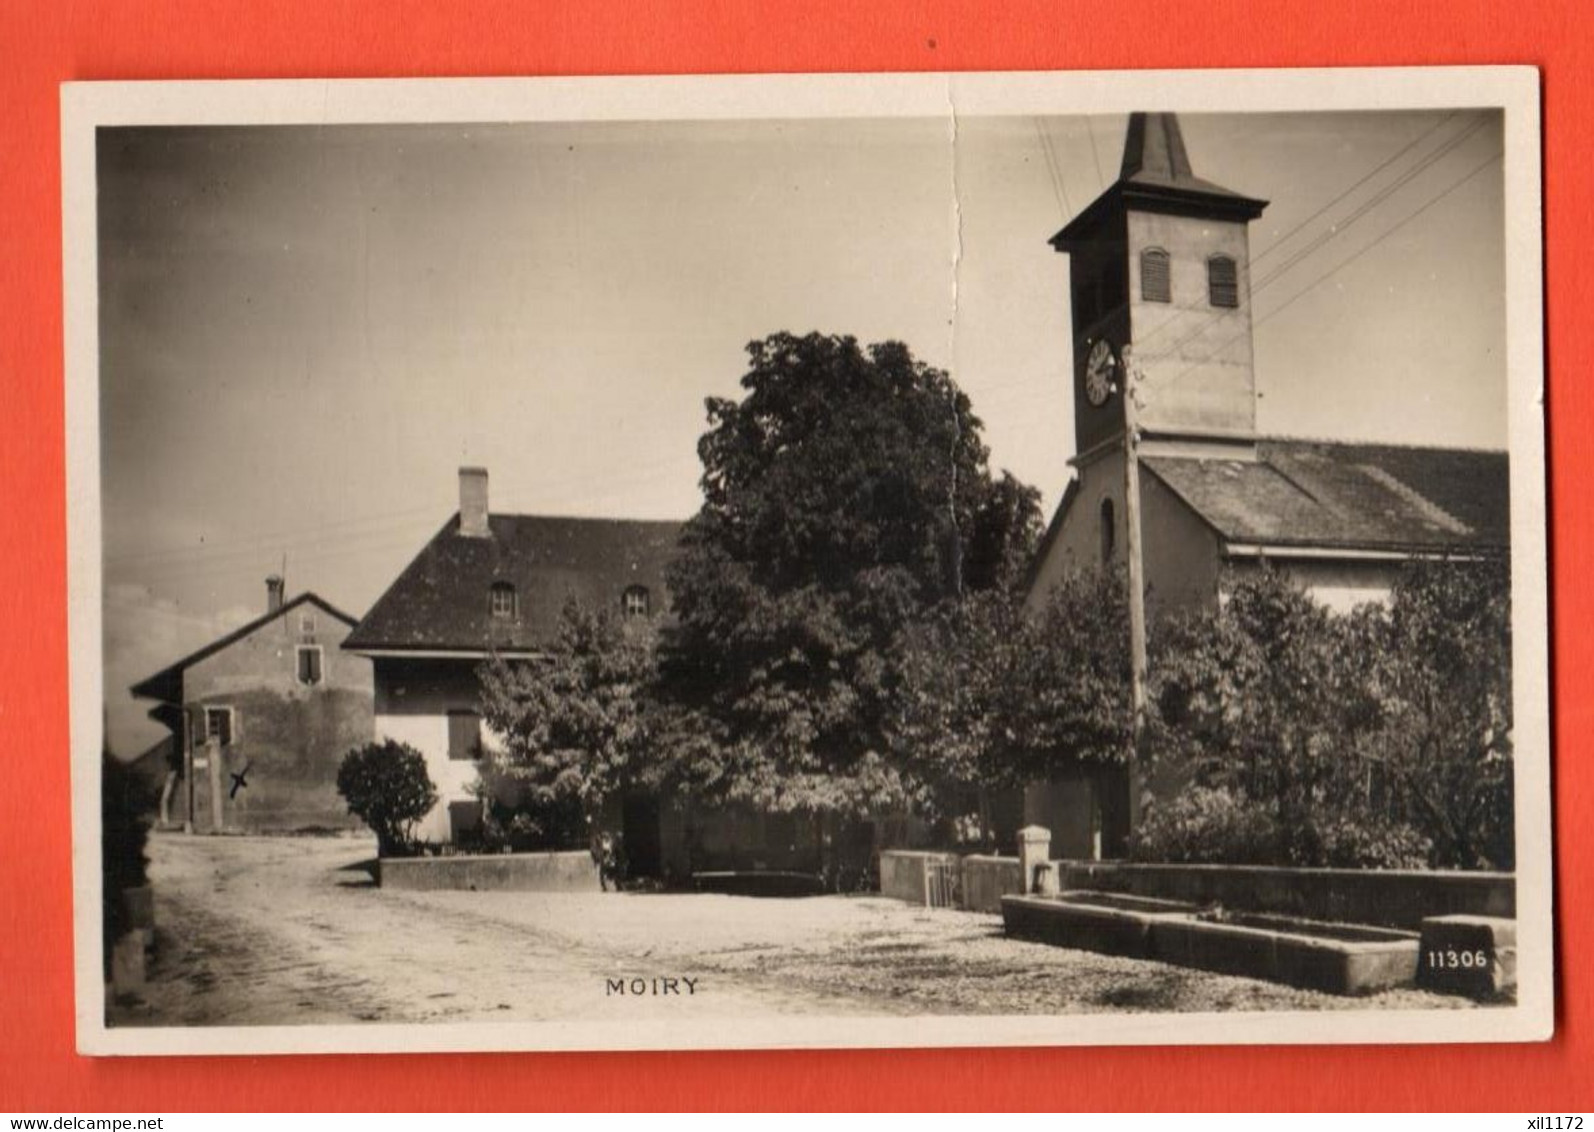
(86, 106)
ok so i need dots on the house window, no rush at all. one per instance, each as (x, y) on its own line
(310, 664)
(464, 734)
(635, 602)
(218, 725)
(1155, 284)
(1223, 282)
(501, 600)
(1109, 531)
(307, 624)
(464, 821)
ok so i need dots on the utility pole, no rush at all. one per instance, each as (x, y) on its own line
(1137, 573)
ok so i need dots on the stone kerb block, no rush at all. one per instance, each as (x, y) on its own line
(1471, 955)
(139, 906)
(127, 964)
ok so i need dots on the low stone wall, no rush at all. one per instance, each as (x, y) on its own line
(504, 872)
(1394, 898)
(902, 872)
(987, 879)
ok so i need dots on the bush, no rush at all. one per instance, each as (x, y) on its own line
(125, 801)
(1206, 825)
(387, 787)
(1222, 826)
(1378, 738)
(1369, 843)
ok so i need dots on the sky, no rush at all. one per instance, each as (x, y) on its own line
(306, 330)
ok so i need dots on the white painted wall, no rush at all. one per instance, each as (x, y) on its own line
(453, 778)
(1341, 586)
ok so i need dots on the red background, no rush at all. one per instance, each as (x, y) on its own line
(49, 42)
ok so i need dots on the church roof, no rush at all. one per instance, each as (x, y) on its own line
(440, 603)
(1155, 156)
(1349, 496)
(1156, 175)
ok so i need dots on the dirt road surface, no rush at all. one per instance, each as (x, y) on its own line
(272, 931)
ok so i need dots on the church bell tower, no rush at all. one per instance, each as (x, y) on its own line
(1160, 280)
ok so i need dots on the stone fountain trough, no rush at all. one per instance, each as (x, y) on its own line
(1347, 959)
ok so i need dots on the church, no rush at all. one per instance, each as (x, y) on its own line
(1171, 478)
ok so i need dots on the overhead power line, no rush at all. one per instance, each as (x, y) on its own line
(1368, 176)
(1370, 203)
(1337, 268)
(1059, 188)
(1322, 240)
(1095, 156)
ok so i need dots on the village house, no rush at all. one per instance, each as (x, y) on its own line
(1161, 302)
(260, 720)
(494, 585)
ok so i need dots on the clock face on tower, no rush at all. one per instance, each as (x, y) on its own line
(1099, 369)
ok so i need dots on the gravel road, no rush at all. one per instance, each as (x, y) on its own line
(256, 931)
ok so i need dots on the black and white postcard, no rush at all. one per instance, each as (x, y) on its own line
(665, 563)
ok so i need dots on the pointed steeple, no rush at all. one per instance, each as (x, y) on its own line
(1155, 145)
(1156, 176)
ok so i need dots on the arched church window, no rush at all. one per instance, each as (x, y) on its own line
(1155, 284)
(1109, 531)
(1223, 282)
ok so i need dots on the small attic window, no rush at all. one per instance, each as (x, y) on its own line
(1223, 282)
(1155, 284)
(1109, 531)
(636, 602)
(502, 600)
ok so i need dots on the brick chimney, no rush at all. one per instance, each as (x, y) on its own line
(273, 593)
(473, 503)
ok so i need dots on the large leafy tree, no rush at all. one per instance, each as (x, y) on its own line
(573, 725)
(1445, 687)
(993, 695)
(847, 494)
(955, 732)
(1379, 737)
(1266, 700)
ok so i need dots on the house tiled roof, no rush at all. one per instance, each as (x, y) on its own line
(441, 603)
(166, 684)
(1349, 496)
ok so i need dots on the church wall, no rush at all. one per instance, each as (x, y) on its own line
(1180, 552)
(1196, 358)
(1340, 585)
(1078, 543)
(1098, 288)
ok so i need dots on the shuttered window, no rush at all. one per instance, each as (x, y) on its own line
(1223, 282)
(1155, 285)
(218, 725)
(464, 735)
(310, 664)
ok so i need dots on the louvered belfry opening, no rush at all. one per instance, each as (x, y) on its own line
(1223, 282)
(1155, 284)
